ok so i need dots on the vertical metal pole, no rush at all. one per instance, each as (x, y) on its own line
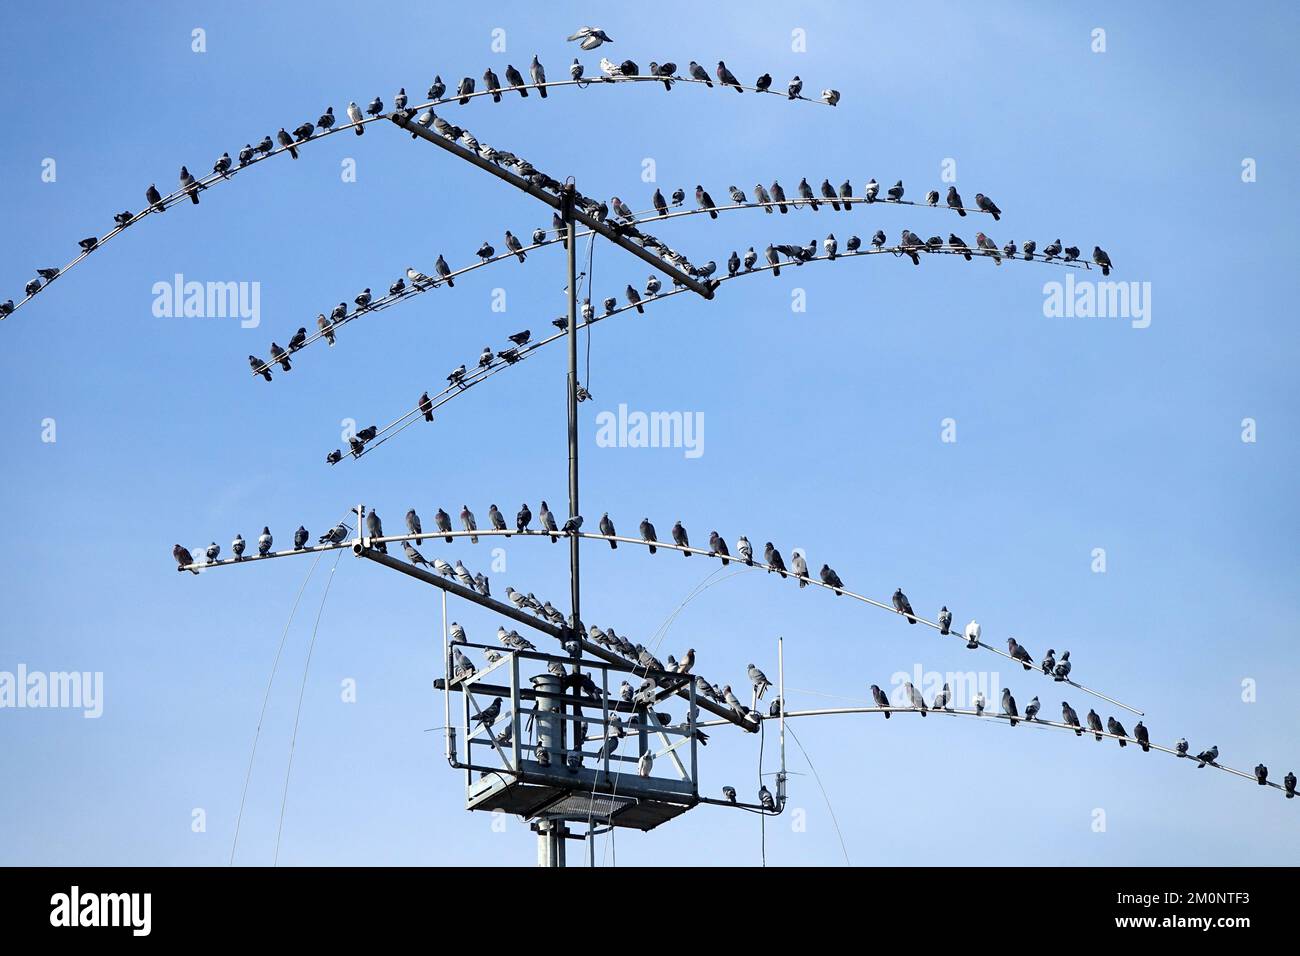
(780, 690)
(570, 192)
(446, 687)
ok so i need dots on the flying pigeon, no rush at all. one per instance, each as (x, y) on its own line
(590, 37)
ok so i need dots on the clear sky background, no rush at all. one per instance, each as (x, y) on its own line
(822, 428)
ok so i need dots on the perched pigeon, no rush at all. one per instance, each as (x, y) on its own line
(1141, 736)
(468, 523)
(680, 538)
(773, 559)
(799, 568)
(648, 533)
(488, 715)
(1048, 663)
(903, 606)
(523, 517)
(607, 529)
(914, 695)
(1180, 748)
(1261, 774)
(442, 521)
(1094, 723)
(184, 560)
(831, 579)
(759, 680)
(745, 551)
(415, 557)
(1116, 728)
(1071, 718)
(1063, 667)
(987, 205)
(978, 703)
(1208, 756)
(376, 529)
(765, 798)
(1032, 709)
(1099, 256)
(1288, 783)
(1018, 653)
(945, 620)
(943, 699)
(264, 541)
(881, 698)
(1009, 705)
(954, 201)
(300, 538)
(547, 521)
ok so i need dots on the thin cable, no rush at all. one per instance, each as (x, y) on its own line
(825, 796)
(293, 741)
(248, 775)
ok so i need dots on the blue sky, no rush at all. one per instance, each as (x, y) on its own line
(822, 427)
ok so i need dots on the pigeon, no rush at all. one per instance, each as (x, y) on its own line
(765, 798)
(1094, 723)
(727, 78)
(468, 523)
(932, 197)
(222, 165)
(830, 97)
(778, 196)
(870, 191)
(1208, 756)
(375, 107)
(733, 263)
(648, 533)
(1009, 705)
(943, 699)
(334, 457)
(680, 538)
(1288, 782)
(442, 567)
(190, 185)
(831, 579)
(1071, 718)
(444, 271)
(488, 715)
(184, 560)
(363, 299)
(326, 327)
(285, 140)
(773, 559)
(1049, 662)
(705, 201)
(607, 529)
(573, 525)
(523, 517)
(645, 763)
(1100, 258)
(442, 521)
(299, 340)
(954, 201)
(486, 357)
(957, 242)
(1116, 728)
(1050, 251)
(903, 606)
(1141, 736)
(881, 699)
(264, 541)
(987, 205)
(547, 521)
(989, 246)
(425, 406)
(653, 285)
(698, 72)
(336, 535)
(745, 551)
(413, 525)
(415, 557)
(978, 703)
(538, 74)
(945, 620)
(878, 240)
(773, 259)
(575, 69)
(799, 568)
(1063, 667)
(895, 192)
(853, 243)
(1180, 748)
(590, 37)
(1009, 250)
(634, 298)
(280, 355)
(482, 585)
(463, 576)
(806, 193)
(914, 695)
(759, 680)
(376, 529)
(831, 246)
(300, 538)
(1018, 653)
(1261, 774)
(260, 367)
(1032, 709)
(794, 89)
(1071, 253)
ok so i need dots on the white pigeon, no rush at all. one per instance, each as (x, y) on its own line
(972, 634)
(644, 765)
(609, 68)
(354, 114)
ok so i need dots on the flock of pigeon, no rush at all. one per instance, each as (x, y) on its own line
(843, 198)
(284, 140)
(659, 680)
